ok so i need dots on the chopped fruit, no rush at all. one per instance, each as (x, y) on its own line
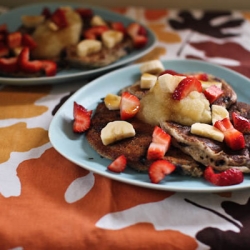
(9, 65)
(168, 82)
(129, 105)
(138, 34)
(118, 165)
(156, 151)
(118, 26)
(82, 118)
(201, 76)
(59, 18)
(171, 72)
(207, 84)
(32, 21)
(186, 86)
(28, 41)
(95, 32)
(212, 93)
(241, 123)
(49, 67)
(26, 65)
(147, 81)
(46, 13)
(116, 131)
(85, 13)
(218, 113)
(14, 39)
(152, 67)
(3, 28)
(112, 102)
(110, 38)
(233, 138)
(226, 178)
(140, 41)
(4, 50)
(159, 169)
(160, 136)
(87, 47)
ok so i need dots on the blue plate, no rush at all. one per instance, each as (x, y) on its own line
(13, 20)
(76, 148)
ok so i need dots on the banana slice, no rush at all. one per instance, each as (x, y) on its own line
(207, 84)
(87, 47)
(112, 102)
(218, 113)
(147, 81)
(111, 37)
(32, 21)
(97, 20)
(169, 82)
(115, 131)
(152, 67)
(208, 131)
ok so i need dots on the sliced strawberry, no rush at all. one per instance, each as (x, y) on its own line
(3, 28)
(140, 41)
(46, 12)
(241, 123)
(171, 72)
(233, 138)
(95, 32)
(82, 118)
(212, 93)
(49, 67)
(27, 40)
(26, 65)
(14, 39)
(85, 13)
(186, 86)
(118, 165)
(138, 34)
(160, 136)
(156, 151)
(4, 50)
(59, 18)
(9, 65)
(118, 26)
(201, 77)
(226, 178)
(129, 105)
(159, 169)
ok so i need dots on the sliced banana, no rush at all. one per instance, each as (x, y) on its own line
(115, 131)
(147, 81)
(112, 102)
(169, 82)
(111, 37)
(208, 131)
(206, 84)
(87, 47)
(152, 67)
(97, 20)
(32, 21)
(218, 113)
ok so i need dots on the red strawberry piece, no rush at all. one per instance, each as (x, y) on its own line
(241, 123)
(82, 118)
(171, 72)
(95, 32)
(27, 40)
(59, 18)
(14, 39)
(3, 28)
(212, 93)
(138, 34)
(118, 165)
(46, 12)
(4, 50)
(118, 26)
(156, 151)
(159, 169)
(201, 76)
(129, 106)
(186, 86)
(140, 41)
(49, 67)
(9, 65)
(85, 13)
(233, 138)
(26, 65)
(160, 136)
(226, 178)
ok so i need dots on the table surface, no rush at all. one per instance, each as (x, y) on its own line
(48, 202)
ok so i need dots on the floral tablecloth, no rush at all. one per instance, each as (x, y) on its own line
(47, 202)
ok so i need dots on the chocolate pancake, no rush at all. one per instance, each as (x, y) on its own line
(208, 151)
(135, 149)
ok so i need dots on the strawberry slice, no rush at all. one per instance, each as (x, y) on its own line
(156, 151)
(82, 118)
(186, 86)
(85, 13)
(14, 39)
(26, 65)
(27, 40)
(9, 65)
(212, 93)
(118, 26)
(49, 67)
(140, 41)
(138, 34)
(95, 32)
(59, 18)
(233, 138)
(160, 136)
(118, 165)
(226, 178)
(201, 76)
(241, 123)
(129, 106)
(159, 169)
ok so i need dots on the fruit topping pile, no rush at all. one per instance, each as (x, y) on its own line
(191, 94)
(40, 45)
